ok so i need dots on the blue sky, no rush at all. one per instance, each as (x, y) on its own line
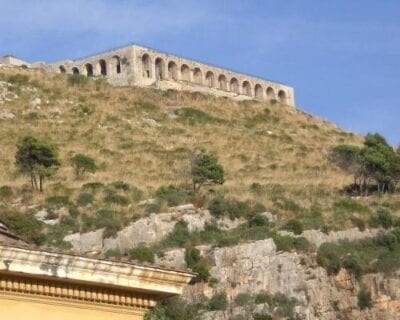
(342, 56)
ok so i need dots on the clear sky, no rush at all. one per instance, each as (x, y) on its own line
(341, 56)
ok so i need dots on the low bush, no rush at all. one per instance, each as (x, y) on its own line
(56, 202)
(174, 196)
(197, 263)
(295, 226)
(243, 299)
(23, 225)
(364, 299)
(218, 302)
(6, 192)
(116, 198)
(84, 199)
(142, 254)
(113, 253)
(220, 206)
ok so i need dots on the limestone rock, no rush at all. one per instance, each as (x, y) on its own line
(87, 242)
(172, 258)
(7, 115)
(150, 122)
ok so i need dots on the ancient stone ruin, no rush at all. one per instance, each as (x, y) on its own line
(144, 67)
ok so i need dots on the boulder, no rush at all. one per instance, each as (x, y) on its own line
(87, 242)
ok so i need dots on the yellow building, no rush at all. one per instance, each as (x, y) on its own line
(39, 285)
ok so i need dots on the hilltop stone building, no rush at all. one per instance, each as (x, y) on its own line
(37, 284)
(140, 66)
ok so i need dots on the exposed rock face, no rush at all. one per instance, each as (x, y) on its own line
(149, 230)
(317, 237)
(87, 242)
(256, 267)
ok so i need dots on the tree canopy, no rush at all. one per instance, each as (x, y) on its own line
(376, 162)
(206, 170)
(81, 164)
(37, 159)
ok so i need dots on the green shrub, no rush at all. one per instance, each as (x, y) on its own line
(82, 164)
(56, 202)
(73, 211)
(364, 299)
(173, 195)
(195, 116)
(153, 207)
(197, 264)
(218, 207)
(359, 223)
(120, 185)
(142, 254)
(179, 236)
(218, 302)
(136, 194)
(243, 299)
(263, 297)
(85, 199)
(262, 316)
(328, 258)
(115, 198)
(385, 218)
(258, 220)
(113, 253)
(387, 240)
(93, 187)
(295, 226)
(352, 264)
(23, 225)
(6, 192)
(288, 243)
(350, 206)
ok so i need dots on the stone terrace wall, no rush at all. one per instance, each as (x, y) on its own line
(140, 66)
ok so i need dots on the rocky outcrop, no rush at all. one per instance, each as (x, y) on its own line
(317, 237)
(149, 230)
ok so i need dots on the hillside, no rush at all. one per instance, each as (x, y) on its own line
(138, 204)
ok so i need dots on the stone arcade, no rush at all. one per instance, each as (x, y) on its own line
(140, 66)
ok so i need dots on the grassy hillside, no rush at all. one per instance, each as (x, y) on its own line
(272, 154)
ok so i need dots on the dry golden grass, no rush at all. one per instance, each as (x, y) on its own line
(256, 142)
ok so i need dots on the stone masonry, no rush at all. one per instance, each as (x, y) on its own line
(144, 67)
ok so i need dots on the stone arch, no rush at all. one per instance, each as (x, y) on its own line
(117, 63)
(234, 85)
(210, 79)
(185, 72)
(282, 96)
(89, 69)
(75, 71)
(146, 66)
(103, 67)
(172, 70)
(222, 82)
(198, 76)
(160, 69)
(258, 91)
(246, 89)
(271, 94)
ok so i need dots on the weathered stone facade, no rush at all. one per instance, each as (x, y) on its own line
(139, 66)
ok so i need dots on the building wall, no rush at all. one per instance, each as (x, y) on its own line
(144, 67)
(23, 307)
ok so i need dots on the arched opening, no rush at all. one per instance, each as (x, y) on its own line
(197, 76)
(271, 94)
(223, 83)
(172, 70)
(103, 67)
(282, 97)
(75, 71)
(62, 69)
(246, 89)
(146, 66)
(234, 85)
(258, 92)
(210, 79)
(117, 63)
(160, 69)
(185, 73)
(89, 70)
